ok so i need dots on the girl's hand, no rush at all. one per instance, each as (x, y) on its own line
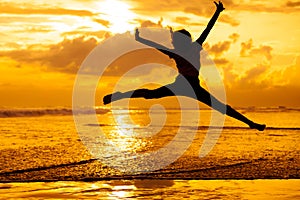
(219, 6)
(137, 34)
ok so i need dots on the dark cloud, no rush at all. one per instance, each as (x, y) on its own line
(139, 55)
(65, 56)
(137, 58)
(293, 4)
(249, 50)
(68, 55)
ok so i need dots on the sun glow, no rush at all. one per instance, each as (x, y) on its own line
(118, 14)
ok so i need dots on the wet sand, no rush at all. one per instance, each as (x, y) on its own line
(154, 189)
(61, 164)
(44, 158)
(38, 156)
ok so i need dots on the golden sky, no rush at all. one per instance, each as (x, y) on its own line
(255, 45)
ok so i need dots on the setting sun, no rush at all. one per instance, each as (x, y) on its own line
(119, 15)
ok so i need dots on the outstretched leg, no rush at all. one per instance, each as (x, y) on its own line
(139, 93)
(210, 100)
(235, 114)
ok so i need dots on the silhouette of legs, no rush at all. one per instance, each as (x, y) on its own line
(205, 97)
(112, 97)
(201, 95)
(139, 93)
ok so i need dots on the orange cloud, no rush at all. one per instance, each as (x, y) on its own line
(266, 6)
(85, 33)
(8, 8)
(230, 20)
(102, 22)
(253, 78)
(234, 37)
(136, 58)
(221, 61)
(208, 13)
(148, 23)
(219, 48)
(182, 20)
(199, 8)
(249, 50)
(293, 4)
(292, 72)
(260, 85)
(65, 56)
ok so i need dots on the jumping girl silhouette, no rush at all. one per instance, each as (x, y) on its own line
(186, 54)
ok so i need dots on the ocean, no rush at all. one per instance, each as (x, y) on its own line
(44, 156)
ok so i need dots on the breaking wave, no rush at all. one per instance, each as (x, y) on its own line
(35, 112)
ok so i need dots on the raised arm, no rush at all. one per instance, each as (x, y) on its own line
(211, 22)
(150, 43)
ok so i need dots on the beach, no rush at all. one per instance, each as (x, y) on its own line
(43, 149)
(154, 189)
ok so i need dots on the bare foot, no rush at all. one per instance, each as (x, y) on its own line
(259, 127)
(111, 97)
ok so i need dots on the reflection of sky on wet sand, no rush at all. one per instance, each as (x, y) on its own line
(129, 140)
(131, 135)
(124, 134)
(155, 189)
(146, 130)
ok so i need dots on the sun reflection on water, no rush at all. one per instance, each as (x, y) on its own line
(126, 134)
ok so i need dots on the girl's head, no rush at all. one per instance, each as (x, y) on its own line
(181, 38)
